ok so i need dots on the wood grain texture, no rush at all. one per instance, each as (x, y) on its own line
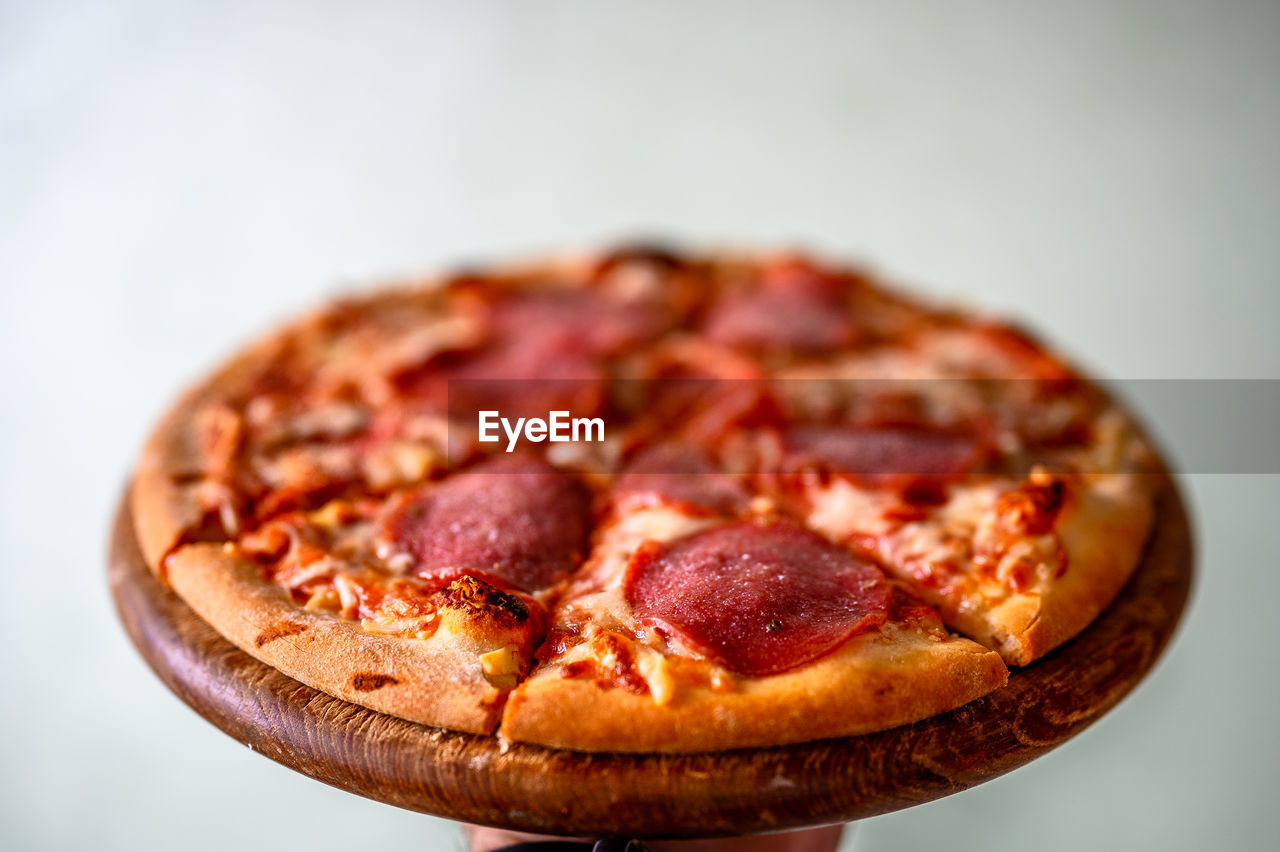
(469, 778)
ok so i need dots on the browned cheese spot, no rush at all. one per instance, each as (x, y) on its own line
(478, 599)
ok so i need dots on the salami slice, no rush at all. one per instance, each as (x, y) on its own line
(772, 320)
(545, 351)
(881, 453)
(584, 321)
(757, 599)
(796, 307)
(545, 375)
(511, 517)
(679, 473)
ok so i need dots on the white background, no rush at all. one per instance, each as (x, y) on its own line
(175, 178)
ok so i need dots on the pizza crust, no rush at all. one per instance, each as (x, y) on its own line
(163, 507)
(436, 681)
(873, 682)
(1104, 528)
(165, 498)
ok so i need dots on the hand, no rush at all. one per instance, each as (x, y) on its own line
(824, 839)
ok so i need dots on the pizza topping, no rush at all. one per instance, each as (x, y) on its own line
(757, 599)
(796, 307)
(678, 473)
(612, 662)
(502, 666)
(1023, 357)
(220, 433)
(588, 321)
(723, 407)
(324, 598)
(880, 455)
(546, 374)
(1032, 508)
(1016, 542)
(978, 544)
(395, 463)
(559, 639)
(325, 421)
(366, 357)
(513, 517)
(267, 543)
(475, 597)
(545, 352)
(618, 538)
(657, 676)
(362, 595)
(416, 609)
(500, 661)
(769, 320)
(303, 477)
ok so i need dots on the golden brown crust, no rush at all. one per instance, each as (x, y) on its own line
(875, 681)
(1100, 531)
(1103, 529)
(164, 504)
(166, 496)
(436, 681)
(1103, 526)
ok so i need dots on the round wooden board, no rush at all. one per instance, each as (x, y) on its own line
(471, 778)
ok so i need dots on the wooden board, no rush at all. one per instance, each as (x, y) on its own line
(530, 788)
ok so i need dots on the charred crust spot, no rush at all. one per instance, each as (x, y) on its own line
(278, 631)
(475, 598)
(368, 681)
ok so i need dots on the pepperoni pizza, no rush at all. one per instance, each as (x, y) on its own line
(810, 507)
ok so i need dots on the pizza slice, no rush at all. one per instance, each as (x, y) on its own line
(427, 605)
(438, 653)
(1019, 562)
(703, 622)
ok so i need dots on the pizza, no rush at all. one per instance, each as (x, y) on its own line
(639, 501)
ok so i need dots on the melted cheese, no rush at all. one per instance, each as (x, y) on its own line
(839, 509)
(622, 536)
